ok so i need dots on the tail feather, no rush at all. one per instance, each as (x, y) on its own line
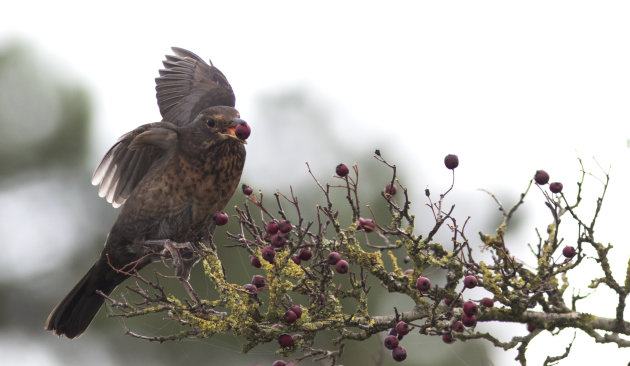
(75, 312)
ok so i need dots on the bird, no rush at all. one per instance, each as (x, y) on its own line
(170, 177)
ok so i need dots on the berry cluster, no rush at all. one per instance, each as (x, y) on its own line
(394, 336)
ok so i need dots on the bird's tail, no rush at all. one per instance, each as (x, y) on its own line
(75, 312)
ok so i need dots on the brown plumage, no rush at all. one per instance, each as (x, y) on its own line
(171, 176)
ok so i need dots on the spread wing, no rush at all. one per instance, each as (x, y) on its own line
(187, 85)
(127, 162)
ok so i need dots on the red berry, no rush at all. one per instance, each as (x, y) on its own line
(279, 363)
(278, 240)
(555, 187)
(247, 190)
(268, 254)
(469, 320)
(458, 326)
(390, 342)
(423, 283)
(399, 353)
(448, 338)
(242, 130)
(451, 161)
(541, 177)
(285, 340)
(470, 308)
(271, 227)
(220, 218)
(531, 327)
(341, 266)
(568, 252)
(367, 224)
(390, 189)
(255, 261)
(290, 317)
(305, 253)
(258, 281)
(402, 328)
(284, 226)
(470, 281)
(251, 288)
(296, 259)
(342, 170)
(487, 302)
(297, 309)
(333, 257)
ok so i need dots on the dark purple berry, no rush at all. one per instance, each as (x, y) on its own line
(271, 227)
(541, 177)
(341, 266)
(342, 170)
(278, 240)
(390, 342)
(255, 261)
(279, 363)
(399, 353)
(451, 161)
(402, 328)
(251, 288)
(258, 281)
(470, 308)
(487, 302)
(220, 218)
(268, 254)
(448, 338)
(469, 320)
(458, 326)
(333, 257)
(285, 226)
(368, 225)
(297, 309)
(568, 251)
(242, 130)
(290, 317)
(555, 187)
(285, 340)
(305, 253)
(470, 281)
(247, 190)
(296, 259)
(390, 189)
(531, 327)
(423, 284)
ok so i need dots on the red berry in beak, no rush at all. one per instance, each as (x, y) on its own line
(242, 130)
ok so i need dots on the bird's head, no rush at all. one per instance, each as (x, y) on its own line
(222, 122)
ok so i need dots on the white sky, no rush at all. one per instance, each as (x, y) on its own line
(510, 87)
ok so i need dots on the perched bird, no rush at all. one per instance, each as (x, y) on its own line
(170, 177)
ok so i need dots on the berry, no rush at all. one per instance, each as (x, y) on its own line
(458, 326)
(390, 342)
(247, 190)
(271, 227)
(402, 328)
(285, 340)
(470, 308)
(285, 226)
(399, 353)
(568, 251)
(541, 177)
(341, 266)
(278, 240)
(555, 187)
(252, 289)
(290, 317)
(366, 224)
(448, 302)
(333, 257)
(242, 130)
(258, 281)
(296, 259)
(342, 170)
(448, 338)
(423, 283)
(279, 363)
(392, 331)
(451, 161)
(268, 254)
(470, 281)
(469, 320)
(390, 189)
(487, 302)
(531, 327)
(305, 253)
(407, 259)
(220, 218)
(255, 261)
(297, 309)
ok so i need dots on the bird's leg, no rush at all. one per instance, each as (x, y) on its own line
(184, 257)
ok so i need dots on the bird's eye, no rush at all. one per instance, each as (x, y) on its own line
(210, 122)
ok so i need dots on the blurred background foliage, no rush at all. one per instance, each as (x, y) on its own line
(53, 224)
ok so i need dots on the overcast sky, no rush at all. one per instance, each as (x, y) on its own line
(510, 87)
